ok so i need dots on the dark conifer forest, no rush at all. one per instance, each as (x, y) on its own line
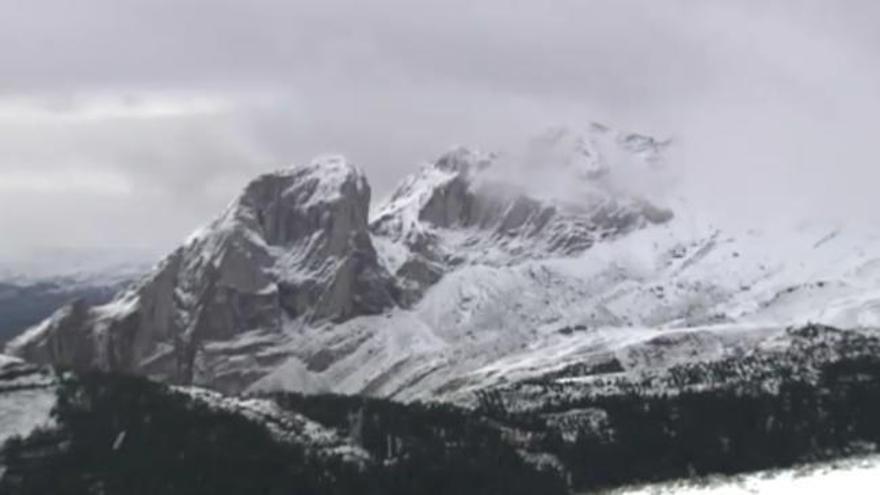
(118, 434)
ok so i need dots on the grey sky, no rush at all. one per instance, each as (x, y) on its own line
(129, 123)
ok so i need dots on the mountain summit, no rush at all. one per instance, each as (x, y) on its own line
(480, 270)
(295, 251)
(293, 246)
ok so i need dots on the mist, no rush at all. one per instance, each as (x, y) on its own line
(128, 124)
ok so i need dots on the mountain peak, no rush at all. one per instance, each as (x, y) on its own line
(461, 159)
(292, 248)
(596, 153)
(333, 173)
(285, 285)
(329, 166)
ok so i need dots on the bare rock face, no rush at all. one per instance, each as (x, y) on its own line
(559, 198)
(294, 246)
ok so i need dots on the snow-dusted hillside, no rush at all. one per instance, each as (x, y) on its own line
(481, 269)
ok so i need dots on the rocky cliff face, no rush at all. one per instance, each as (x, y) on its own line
(294, 246)
(559, 197)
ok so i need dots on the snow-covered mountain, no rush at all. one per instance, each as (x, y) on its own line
(479, 270)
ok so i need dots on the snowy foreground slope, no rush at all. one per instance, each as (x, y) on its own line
(481, 269)
(859, 476)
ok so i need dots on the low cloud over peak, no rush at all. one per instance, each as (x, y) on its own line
(126, 122)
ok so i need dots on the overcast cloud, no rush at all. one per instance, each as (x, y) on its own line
(129, 123)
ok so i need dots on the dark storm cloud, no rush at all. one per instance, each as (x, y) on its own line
(125, 121)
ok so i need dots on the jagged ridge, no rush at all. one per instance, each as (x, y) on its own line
(468, 277)
(293, 246)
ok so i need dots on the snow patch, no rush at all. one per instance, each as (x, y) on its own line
(852, 477)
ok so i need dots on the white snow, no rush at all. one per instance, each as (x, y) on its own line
(489, 322)
(23, 411)
(285, 425)
(859, 476)
(26, 400)
(329, 172)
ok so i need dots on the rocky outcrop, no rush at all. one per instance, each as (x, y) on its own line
(558, 198)
(294, 246)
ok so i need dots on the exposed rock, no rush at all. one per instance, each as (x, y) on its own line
(294, 287)
(293, 246)
(496, 215)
